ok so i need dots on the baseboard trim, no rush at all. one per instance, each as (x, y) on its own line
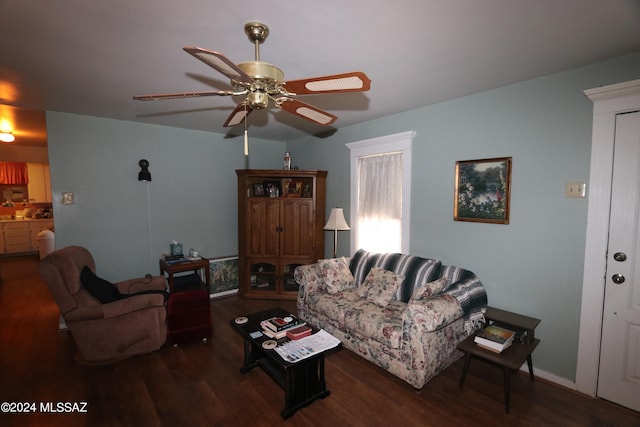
(551, 378)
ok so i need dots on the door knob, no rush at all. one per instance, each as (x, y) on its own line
(620, 256)
(618, 279)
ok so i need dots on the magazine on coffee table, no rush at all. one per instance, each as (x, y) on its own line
(297, 350)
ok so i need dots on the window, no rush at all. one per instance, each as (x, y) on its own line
(381, 193)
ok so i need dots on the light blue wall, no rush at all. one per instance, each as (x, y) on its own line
(533, 265)
(191, 198)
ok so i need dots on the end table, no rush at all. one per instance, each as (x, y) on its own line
(513, 357)
(182, 266)
(188, 307)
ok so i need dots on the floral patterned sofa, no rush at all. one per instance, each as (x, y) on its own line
(404, 313)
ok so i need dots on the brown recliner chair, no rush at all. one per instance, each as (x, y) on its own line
(112, 331)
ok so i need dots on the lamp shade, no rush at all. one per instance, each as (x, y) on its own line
(336, 220)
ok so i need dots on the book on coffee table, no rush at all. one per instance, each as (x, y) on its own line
(277, 324)
(298, 332)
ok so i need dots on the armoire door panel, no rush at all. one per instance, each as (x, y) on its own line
(297, 228)
(262, 234)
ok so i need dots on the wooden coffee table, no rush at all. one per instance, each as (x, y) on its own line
(513, 357)
(303, 382)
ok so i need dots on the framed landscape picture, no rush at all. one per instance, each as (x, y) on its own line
(224, 276)
(483, 190)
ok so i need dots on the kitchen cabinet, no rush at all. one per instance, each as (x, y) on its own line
(39, 182)
(280, 220)
(22, 236)
(17, 237)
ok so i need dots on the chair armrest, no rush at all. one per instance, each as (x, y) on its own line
(116, 308)
(433, 313)
(92, 312)
(133, 286)
(134, 303)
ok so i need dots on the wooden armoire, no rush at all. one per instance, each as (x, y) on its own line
(281, 215)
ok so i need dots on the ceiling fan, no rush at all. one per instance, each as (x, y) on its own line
(261, 81)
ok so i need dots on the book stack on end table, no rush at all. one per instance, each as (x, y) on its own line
(288, 326)
(494, 338)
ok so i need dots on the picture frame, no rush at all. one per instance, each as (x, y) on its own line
(483, 190)
(293, 188)
(272, 188)
(224, 277)
(258, 190)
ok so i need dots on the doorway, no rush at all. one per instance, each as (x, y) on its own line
(609, 102)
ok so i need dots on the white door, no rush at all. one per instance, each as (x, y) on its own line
(619, 374)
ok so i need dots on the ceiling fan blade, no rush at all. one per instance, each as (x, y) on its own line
(185, 95)
(307, 111)
(238, 115)
(356, 81)
(221, 63)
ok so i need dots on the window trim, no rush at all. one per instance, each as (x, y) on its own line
(399, 142)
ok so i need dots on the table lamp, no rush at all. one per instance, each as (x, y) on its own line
(336, 222)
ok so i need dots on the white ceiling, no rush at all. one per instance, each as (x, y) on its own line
(91, 57)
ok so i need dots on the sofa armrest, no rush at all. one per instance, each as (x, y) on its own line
(432, 313)
(132, 286)
(309, 279)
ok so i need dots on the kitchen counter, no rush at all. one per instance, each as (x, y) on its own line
(26, 220)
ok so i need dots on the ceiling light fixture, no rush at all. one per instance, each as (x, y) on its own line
(7, 137)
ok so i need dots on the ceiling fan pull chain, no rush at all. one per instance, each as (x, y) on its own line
(246, 134)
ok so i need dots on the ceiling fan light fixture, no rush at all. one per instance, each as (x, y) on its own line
(260, 70)
(258, 100)
(7, 137)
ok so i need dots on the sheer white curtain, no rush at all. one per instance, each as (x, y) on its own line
(379, 212)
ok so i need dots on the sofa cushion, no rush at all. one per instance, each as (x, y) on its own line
(416, 270)
(428, 289)
(336, 274)
(381, 324)
(335, 306)
(382, 285)
(101, 289)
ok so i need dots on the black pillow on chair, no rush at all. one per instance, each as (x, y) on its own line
(101, 289)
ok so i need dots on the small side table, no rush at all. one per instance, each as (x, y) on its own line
(512, 358)
(188, 307)
(183, 266)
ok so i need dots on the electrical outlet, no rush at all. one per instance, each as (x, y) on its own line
(575, 190)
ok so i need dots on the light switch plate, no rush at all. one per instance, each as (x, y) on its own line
(575, 190)
(67, 197)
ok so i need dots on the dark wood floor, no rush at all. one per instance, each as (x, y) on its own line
(201, 384)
